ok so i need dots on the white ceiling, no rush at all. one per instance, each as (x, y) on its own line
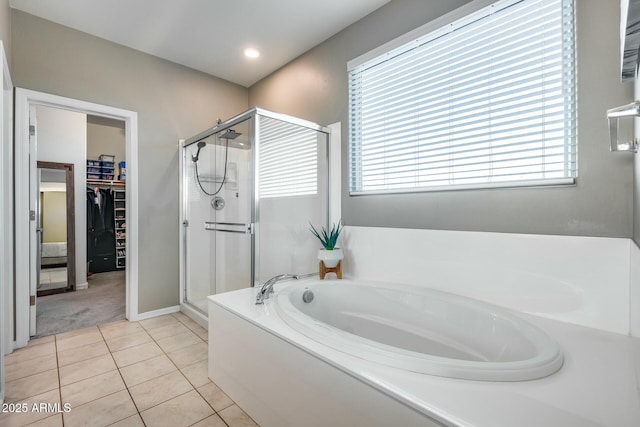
(209, 35)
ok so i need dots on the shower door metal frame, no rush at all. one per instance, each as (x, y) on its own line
(252, 115)
(255, 202)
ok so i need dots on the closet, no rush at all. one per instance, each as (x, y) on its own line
(106, 196)
(106, 226)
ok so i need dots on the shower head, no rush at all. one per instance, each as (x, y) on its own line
(230, 134)
(201, 145)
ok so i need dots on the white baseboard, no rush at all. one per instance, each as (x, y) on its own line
(195, 315)
(156, 313)
(82, 286)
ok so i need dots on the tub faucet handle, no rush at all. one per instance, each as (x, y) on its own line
(267, 287)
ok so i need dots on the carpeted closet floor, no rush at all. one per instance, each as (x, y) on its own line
(102, 302)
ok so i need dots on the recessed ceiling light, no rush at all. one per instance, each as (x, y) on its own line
(251, 53)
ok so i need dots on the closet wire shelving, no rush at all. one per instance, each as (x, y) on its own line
(119, 215)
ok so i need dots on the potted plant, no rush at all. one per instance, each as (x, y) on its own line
(329, 254)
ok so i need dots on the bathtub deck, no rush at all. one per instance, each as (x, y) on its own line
(597, 385)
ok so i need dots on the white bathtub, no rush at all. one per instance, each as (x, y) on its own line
(420, 330)
(281, 377)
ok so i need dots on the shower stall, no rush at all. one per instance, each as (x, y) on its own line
(250, 188)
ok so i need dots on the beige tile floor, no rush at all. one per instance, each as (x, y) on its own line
(148, 373)
(53, 275)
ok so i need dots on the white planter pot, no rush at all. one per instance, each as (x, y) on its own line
(330, 258)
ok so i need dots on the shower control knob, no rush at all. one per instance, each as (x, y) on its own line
(218, 203)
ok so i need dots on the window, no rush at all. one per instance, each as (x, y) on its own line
(487, 100)
(288, 159)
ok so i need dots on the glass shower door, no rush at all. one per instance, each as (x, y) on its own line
(198, 251)
(218, 215)
(233, 224)
(293, 193)
(251, 187)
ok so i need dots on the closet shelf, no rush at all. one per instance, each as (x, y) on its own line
(121, 232)
(106, 183)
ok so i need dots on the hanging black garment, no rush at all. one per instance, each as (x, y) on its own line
(106, 210)
(101, 241)
(105, 226)
(92, 217)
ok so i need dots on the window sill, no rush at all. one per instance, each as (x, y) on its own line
(490, 186)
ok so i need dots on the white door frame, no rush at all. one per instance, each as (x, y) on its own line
(34, 239)
(6, 217)
(25, 98)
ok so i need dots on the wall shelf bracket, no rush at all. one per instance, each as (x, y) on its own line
(623, 112)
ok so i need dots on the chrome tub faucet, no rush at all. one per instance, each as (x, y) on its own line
(267, 287)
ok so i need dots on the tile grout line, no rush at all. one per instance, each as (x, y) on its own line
(196, 389)
(174, 364)
(186, 325)
(55, 342)
(146, 331)
(179, 370)
(122, 378)
(55, 347)
(25, 398)
(93, 376)
(103, 340)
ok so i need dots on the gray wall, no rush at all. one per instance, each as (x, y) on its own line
(5, 28)
(314, 87)
(172, 102)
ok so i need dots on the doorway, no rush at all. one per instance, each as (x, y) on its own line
(25, 153)
(56, 267)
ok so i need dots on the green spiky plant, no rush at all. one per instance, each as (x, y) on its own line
(328, 239)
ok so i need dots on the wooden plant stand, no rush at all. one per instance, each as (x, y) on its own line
(324, 270)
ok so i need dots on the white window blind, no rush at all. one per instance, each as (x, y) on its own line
(486, 101)
(288, 159)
